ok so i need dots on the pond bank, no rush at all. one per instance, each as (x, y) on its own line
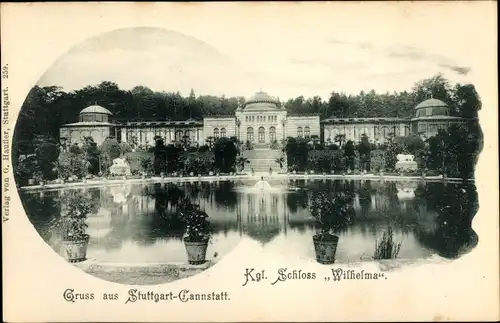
(141, 273)
(152, 180)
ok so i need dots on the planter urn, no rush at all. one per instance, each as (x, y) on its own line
(42, 183)
(210, 173)
(325, 248)
(75, 250)
(191, 174)
(196, 251)
(31, 181)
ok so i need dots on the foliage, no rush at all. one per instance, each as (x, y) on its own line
(349, 154)
(333, 210)
(280, 161)
(92, 155)
(297, 150)
(125, 147)
(275, 145)
(454, 151)
(196, 221)
(160, 156)
(386, 248)
(225, 152)
(364, 149)
(241, 162)
(71, 222)
(112, 148)
(147, 164)
(25, 168)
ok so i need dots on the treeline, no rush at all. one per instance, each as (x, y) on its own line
(47, 108)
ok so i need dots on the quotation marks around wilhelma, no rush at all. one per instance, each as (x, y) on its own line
(339, 274)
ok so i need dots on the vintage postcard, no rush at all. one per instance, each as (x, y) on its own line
(314, 161)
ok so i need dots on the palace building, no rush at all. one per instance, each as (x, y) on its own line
(261, 120)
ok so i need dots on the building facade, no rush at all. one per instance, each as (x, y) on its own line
(430, 116)
(262, 120)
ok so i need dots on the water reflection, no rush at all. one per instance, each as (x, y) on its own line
(138, 223)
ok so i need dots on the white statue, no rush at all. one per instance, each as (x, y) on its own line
(405, 158)
(120, 167)
(406, 162)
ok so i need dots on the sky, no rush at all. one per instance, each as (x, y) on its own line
(279, 58)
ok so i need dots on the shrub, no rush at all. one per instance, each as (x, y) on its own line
(71, 222)
(332, 211)
(386, 248)
(195, 220)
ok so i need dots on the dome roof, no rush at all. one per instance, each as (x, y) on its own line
(261, 97)
(95, 109)
(261, 100)
(432, 108)
(431, 103)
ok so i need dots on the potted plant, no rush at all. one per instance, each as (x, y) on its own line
(333, 212)
(72, 227)
(197, 234)
(211, 173)
(162, 174)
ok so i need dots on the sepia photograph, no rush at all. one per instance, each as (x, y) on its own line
(146, 155)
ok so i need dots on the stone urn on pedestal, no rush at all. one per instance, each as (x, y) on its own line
(333, 211)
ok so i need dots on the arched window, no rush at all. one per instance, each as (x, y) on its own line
(262, 134)
(250, 134)
(222, 132)
(272, 134)
(216, 133)
(299, 132)
(307, 132)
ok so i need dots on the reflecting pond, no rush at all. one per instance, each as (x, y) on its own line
(137, 223)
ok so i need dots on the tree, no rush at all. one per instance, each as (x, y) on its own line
(364, 149)
(468, 101)
(92, 155)
(160, 157)
(112, 148)
(349, 154)
(297, 150)
(225, 152)
(241, 162)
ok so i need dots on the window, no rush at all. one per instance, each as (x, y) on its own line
(275, 118)
(272, 134)
(178, 135)
(253, 118)
(385, 132)
(216, 133)
(307, 132)
(246, 118)
(262, 134)
(299, 132)
(250, 134)
(428, 111)
(222, 132)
